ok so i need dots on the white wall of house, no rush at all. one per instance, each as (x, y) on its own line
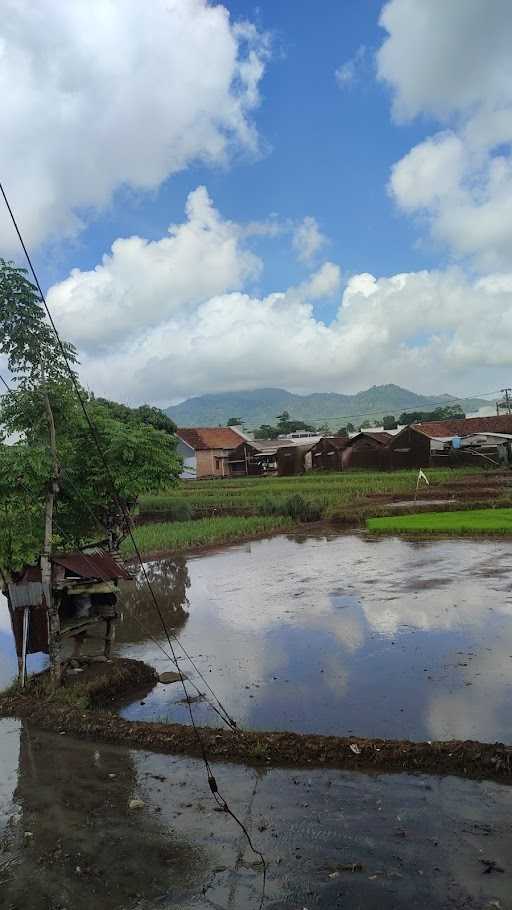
(188, 454)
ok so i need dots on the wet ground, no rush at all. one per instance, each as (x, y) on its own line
(68, 838)
(338, 634)
(333, 634)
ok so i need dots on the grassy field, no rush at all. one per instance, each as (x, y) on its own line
(474, 521)
(163, 537)
(331, 491)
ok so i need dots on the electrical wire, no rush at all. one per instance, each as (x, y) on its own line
(212, 783)
(221, 711)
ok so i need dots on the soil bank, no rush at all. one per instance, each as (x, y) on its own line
(467, 759)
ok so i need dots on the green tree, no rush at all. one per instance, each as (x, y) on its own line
(138, 444)
(448, 412)
(235, 422)
(389, 422)
(265, 431)
(144, 414)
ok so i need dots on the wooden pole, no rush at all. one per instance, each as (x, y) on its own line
(54, 646)
(109, 638)
(26, 618)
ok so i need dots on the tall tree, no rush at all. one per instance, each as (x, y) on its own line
(139, 444)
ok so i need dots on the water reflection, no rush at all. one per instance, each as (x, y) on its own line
(70, 839)
(170, 581)
(337, 633)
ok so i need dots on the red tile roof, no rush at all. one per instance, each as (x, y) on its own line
(441, 428)
(210, 437)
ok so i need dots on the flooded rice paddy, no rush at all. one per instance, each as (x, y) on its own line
(339, 634)
(68, 838)
(333, 634)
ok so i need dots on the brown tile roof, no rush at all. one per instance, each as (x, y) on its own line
(463, 427)
(209, 437)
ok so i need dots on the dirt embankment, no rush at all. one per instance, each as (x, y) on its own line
(465, 759)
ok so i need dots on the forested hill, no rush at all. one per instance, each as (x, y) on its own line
(261, 406)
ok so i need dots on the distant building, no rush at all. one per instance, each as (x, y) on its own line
(257, 456)
(457, 441)
(206, 450)
(367, 449)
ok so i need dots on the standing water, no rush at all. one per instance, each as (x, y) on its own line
(330, 633)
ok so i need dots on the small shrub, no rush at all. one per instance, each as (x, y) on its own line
(300, 509)
(294, 506)
(270, 506)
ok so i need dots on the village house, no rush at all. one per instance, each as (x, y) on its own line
(206, 450)
(466, 440)
(368, 449)
(256, 456)
(326, 454)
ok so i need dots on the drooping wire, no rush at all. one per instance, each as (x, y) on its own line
(220, 710)
(212, 783)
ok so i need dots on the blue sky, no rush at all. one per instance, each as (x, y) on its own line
(325, 150)
(392, 144)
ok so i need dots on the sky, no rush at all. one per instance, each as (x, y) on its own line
(225, 196)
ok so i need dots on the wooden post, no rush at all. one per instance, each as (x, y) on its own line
(24, 642)
(54, 646)
(109, 637)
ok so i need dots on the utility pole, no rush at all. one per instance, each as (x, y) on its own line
(507, 403)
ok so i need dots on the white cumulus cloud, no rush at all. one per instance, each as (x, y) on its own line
(166, 319)
(452, 61)
(141, 283)
(308, 239)
(100, 95)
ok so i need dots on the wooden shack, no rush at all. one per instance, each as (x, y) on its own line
(256, 457)
(368, 450)
(409, 449)
(84, 591)
(326, 454)
(295, 458)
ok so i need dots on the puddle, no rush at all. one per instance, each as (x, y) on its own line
(333, 634)
(68, 838)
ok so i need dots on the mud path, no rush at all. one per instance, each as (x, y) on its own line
(464, 759)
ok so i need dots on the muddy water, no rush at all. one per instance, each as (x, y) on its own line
(339, 634)
(332, 634)
(331, 839)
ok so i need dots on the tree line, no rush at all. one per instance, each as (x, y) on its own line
(286, 425)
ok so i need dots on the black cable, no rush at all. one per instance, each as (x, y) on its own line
(409, 410)
(211, 778)
(221, 711)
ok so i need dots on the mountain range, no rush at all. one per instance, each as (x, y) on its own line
(261, 406)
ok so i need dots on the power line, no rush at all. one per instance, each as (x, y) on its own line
(457, 398)
(221, 711)
(220, 800)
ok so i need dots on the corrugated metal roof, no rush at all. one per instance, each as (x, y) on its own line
(200, 438)
(94, 563)
(465, 426)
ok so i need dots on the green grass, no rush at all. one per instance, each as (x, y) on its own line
(471, 521)
(331, 491)
(163, 537)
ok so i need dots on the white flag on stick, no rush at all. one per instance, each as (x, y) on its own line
(421, 476)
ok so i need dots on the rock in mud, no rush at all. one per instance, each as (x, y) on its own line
(170, 677)
(136, 804)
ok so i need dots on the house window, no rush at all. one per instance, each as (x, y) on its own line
(218, 464)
